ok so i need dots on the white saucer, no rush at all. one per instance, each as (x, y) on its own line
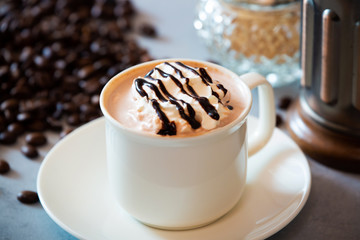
(72, 186)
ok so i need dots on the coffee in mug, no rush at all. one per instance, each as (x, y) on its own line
(174, 99)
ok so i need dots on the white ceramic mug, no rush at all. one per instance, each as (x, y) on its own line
(188, 182)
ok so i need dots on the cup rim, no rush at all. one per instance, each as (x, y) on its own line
(230, 127)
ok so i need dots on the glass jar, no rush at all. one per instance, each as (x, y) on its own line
(253, 35)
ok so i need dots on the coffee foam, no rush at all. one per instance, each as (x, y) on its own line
(121, 105)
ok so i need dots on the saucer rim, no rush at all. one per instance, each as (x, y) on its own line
(98, 122)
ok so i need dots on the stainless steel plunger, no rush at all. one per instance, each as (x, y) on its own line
(325, 121)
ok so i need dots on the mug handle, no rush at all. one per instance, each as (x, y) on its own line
(267, 115)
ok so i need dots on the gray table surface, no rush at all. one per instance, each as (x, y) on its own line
(331, 212)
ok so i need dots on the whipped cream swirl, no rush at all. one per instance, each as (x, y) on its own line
(175, 98)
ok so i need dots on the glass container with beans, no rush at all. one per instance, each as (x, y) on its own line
(253, 35)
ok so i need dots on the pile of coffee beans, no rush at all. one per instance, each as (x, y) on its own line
(55, 57)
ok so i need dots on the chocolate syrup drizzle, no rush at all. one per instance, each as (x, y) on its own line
(169, 128)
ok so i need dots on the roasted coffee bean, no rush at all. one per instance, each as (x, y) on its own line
(10, 115)
(88, 109)
(26, 54)
(73, 119)
(70, 84)
(39, 104)
(112, 71)
(57, 114)
(9, 104)
(28, 197)
(91, 86)
(60, 64)
(95, 46)
(101, 64)
(95, 99)
(279, 120)
(2, 123)
(96, 10)
(85, 71)
(16, 128)
(6, 54)
(7, 138)
(4, 70)
(54, 124)
(284, 103)
(47, 52)
(40, 61)
(103, 80)
(68, 107)
(124, 24)
(56, 47)
(36, 126)
(14, 70)
(21, 92)
(24, 117)
(36, 139)
(81, 98)
(4, 166)
(65, 132)
(124, 9)
(29, 151)
(148, 30)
